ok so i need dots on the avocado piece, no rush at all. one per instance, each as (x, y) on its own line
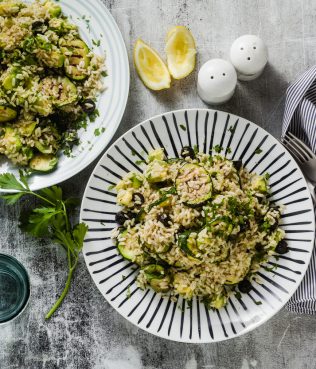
(157, 171)
(53, 9)
(157, 154)
(259, 183)
(43, 163)
(9, 8)
(11, 140)
(125, 197)
(7, 113)
(218, 302)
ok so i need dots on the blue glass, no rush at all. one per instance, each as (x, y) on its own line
(14, 288)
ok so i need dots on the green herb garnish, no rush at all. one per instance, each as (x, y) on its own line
(49, 219)
(96, 42)
(258, 151)
(218, 148)
(183, 127)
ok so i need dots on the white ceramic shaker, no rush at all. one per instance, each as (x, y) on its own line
(217, 81)
(249, 55)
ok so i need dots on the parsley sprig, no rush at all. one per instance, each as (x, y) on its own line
(49, 219)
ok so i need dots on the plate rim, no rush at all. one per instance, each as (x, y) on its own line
(254, 325)
(93, 153)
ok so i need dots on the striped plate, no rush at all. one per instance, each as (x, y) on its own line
(180, 321)
(95, 24)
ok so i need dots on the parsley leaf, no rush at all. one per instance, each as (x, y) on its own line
(49, 219)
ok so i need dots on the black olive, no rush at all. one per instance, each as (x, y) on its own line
(122, 217)
(164, 219)
(244, 286)
(244, 226)
(274, 226)
(187, 152)
(37, 26)
(138, 198)
(233, 237)
(88, 106)
(237, 164)
(259, 247)
(282, 247)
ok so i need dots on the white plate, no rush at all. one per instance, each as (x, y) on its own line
(97, 25)
(160, 316)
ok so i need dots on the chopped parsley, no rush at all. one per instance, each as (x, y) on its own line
(97, 132)
(258, 302)
(111, 187)
(229, 150)
(218, 148)
(183, 127)
(232, 129)
(258, 151)
(96, 42)
(104, 73)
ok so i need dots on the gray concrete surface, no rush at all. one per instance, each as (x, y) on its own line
(87, 333)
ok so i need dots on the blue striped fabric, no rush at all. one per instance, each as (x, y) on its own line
(300, 119)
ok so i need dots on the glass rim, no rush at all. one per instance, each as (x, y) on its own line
(20, 273)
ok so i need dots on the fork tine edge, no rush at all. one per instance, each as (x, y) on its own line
(294, 147)
(292, 150)
(303, 145)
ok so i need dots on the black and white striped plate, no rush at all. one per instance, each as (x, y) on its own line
(240, 139)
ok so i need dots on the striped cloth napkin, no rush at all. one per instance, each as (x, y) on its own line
(300, 119)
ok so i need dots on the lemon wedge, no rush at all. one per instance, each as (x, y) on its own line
(150, 67)
(181, 52)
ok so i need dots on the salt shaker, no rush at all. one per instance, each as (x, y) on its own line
(249, 55)
(217, 80)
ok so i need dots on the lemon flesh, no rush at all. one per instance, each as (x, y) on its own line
(150, 67)
(181, 52)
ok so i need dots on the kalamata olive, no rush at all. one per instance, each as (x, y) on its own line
(274, 226)
(282, 247)
(244, 226)
(138, 198)
(187, 152)
(88, 106)
(237, 164)
(164, 219)
(37, 24)
(233, 237)
(259, 247)
(244, 286)
(121, 217)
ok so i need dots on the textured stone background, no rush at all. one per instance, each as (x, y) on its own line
(87, 333)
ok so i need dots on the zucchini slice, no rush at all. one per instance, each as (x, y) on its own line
(188, 244)
(7, 114)
(61, 89)
(128, 245)
(76, 58)
(194, 185)
(158, 277)
(208, 244)
(43, 163)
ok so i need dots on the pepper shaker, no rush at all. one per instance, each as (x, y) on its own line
(217, 80)
(249, 55)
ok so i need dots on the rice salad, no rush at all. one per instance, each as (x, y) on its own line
(197, 226)
(49, 82)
